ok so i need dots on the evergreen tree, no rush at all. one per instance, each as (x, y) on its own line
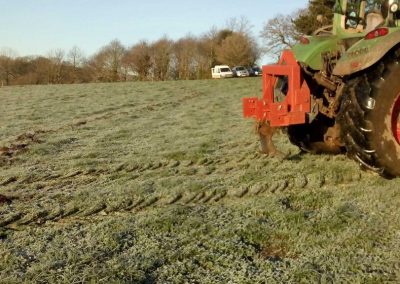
(319, 13)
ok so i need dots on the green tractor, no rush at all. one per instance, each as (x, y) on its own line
(339, 89)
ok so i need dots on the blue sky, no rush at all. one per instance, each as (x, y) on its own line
(34, 27)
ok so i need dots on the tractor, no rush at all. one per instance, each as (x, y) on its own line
(338, 90)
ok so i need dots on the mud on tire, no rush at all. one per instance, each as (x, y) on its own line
(310, 137)
(366, 117)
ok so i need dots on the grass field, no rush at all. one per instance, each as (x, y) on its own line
(162, 183)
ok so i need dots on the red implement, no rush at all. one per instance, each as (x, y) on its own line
(293, 109)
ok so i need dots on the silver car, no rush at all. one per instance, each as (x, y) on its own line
(240, 71)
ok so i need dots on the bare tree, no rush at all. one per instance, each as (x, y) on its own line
(206, 55)
(97, 63)
(138, 59)
(161, 52)
(42, 67)
(76, 59)
(56, 57)
(238, 49)
(240, 25)
(115, 51)
(280, 33)
(7, 56)
(185, 63)
(207, 50)
(107, 63)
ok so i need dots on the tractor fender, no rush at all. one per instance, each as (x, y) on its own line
(365, 53)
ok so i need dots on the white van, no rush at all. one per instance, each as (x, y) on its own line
(221, 71)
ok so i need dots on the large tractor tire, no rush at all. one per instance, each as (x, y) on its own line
(369, 118)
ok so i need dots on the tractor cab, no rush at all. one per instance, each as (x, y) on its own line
(353, 22)
(363, 16)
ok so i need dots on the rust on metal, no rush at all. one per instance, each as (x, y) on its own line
(265, 132)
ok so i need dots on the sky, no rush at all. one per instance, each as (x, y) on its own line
(35, 27)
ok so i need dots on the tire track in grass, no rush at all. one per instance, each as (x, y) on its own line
(21, 143)
(138, 203)
(135, 203)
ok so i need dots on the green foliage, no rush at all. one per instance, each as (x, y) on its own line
(319, 13)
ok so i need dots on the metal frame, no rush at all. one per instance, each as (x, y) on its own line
(295, 106)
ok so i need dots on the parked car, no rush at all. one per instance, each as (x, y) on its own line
(254, 71)
(240, 71)
(221, 71)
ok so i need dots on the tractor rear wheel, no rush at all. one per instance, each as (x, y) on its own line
(318, 137)
(369, 118)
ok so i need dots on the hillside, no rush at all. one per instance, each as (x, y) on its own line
(162, 182)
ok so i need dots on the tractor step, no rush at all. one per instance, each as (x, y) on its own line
(297, 100)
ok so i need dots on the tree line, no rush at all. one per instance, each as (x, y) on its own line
(187, 58)
(190, 57)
